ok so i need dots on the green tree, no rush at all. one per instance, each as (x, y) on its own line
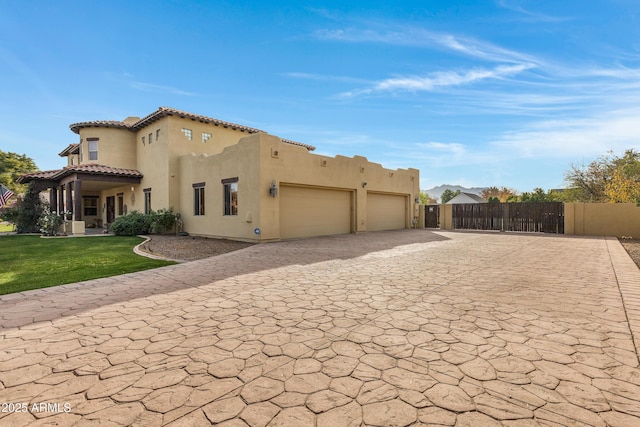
(587, 183)
(608, 179)
(624, 183)
(538, 195)
(12, 165)
(502, 193)
(27, 211)
(425, 199)
(448, 195)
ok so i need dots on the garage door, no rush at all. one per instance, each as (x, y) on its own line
(385, 211)
(306, 211)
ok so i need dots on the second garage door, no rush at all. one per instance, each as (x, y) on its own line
(385, 211)
(312, 211)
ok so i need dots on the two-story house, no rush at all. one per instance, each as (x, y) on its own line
(224, 179)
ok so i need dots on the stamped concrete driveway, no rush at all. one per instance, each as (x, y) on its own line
(384, 329)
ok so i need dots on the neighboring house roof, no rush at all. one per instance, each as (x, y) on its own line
(91, 169)
(71, 149)
(168, 111)
(466, 198)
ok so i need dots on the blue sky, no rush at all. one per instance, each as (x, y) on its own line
(475, 93)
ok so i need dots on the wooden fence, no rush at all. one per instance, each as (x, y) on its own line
(545, 217)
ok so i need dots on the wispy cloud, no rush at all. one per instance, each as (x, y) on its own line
(151, 87)
(420, 37)
(130, 80)
(567, 138)
(516, 6)
(325, 77)
(439, 79)
(451, 147)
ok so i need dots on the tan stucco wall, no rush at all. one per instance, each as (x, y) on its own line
(239, 161)
(446, 217)
(153, 163)
(73, 159)
(159, 161)
(116, 147)
(259, 159)
(602, 219)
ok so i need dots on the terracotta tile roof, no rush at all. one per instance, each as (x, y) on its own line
(38, 175)
(168, 111)
(99, 170)
(307, 146)
(92, 169)
(71, 149)
(75, 127)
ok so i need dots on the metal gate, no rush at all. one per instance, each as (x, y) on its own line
(543, 217)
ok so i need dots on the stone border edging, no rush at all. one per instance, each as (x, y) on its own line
(138, 251)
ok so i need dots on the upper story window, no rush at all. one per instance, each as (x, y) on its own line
(93, 148)
(143, 141)
(158, 135)
(205, 137)
(230, 193)
(150, 138)
(188, 133)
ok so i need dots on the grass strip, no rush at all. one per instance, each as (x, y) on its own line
(31, 262)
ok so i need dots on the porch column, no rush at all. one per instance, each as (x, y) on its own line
(61, 199)
(77, 200)
(69, 197)
(53, 199)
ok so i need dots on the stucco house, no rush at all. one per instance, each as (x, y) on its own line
(224, 179)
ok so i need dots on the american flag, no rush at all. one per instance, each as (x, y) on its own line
(5, 195)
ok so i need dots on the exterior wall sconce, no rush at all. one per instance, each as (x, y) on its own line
(417, 199)
(364, 184)
(273, 190)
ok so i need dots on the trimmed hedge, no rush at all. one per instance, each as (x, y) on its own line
(135, 223)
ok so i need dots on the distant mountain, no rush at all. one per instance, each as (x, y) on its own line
(437, 191)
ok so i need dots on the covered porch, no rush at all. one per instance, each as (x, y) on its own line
(78, 191)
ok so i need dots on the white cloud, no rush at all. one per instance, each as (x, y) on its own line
(452, 147)
(324, 77)
(574, 138)
(439, 79)
(530, 15)
(150, 87)
(415, 36)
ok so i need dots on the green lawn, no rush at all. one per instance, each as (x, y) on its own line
(31, 262)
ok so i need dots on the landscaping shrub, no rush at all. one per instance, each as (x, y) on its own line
(27, 211)
(135, 223)
(132, 224)
(162, 221)
(50, 222)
